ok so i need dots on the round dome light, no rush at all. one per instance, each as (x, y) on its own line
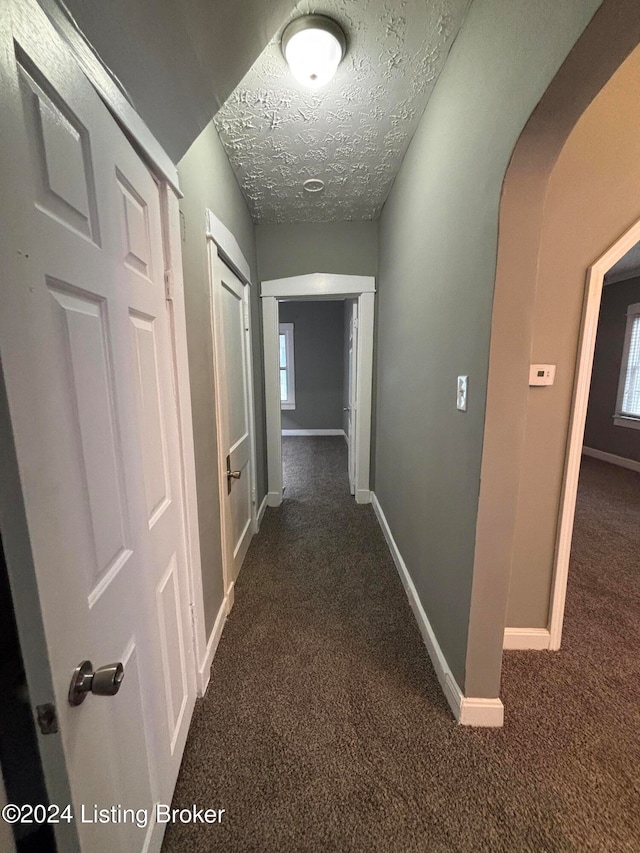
(313, 47)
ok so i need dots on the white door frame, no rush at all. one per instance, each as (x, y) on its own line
(224, 245)
(353, 402)
(586, 350)
(313, 287)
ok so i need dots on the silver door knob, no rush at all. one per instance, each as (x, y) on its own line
(234, 475)
(346, 409)
(105, 681)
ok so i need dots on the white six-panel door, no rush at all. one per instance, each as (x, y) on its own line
(86, 354)
(230, 303)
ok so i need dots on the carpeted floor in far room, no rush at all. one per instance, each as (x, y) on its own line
(324, 728)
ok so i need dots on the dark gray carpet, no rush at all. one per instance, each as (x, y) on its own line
(324, 728)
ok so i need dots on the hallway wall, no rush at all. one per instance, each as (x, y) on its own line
(601, 433)
(207, 181)
(438, 238)
(595, 185)
(178, 60)
(318, 338)
(299, 248)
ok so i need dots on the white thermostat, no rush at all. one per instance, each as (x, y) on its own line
(542, 374)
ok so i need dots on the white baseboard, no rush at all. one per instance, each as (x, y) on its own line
(274, 498)
(313, 432)
(481, 712)
(363, 496)
(526, 638)
(204, 671)
(261, 511)
(621, 461)
(468, 711)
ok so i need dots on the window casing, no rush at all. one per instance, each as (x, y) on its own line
(287, 368)
(628, 404)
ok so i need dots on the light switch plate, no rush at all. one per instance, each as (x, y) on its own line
(462, 393)
(542, 374)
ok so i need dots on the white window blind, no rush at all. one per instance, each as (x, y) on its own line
(631, 394)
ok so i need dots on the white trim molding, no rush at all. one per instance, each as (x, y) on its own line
(603, 456)
(313, 287)
(261, 512)
(626, 421)
(468, 711)
(228, 247)
(582, 384)
(313, 432)
(485, 713)
(204, 671)
(521, 639)
(318, 285)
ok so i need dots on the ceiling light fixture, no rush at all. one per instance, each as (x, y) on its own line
(314, 46)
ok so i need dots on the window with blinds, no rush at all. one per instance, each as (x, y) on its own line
(629, 390)
(287, 372)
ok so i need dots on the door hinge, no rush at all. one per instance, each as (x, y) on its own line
(47, 718)
(168, 285)
(246, 316)
(254, 497)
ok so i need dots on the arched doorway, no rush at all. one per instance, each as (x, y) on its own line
(554, 223)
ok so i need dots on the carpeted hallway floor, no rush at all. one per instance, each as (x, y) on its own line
(324, 728)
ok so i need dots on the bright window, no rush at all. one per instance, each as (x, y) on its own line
(287, 373)
(628, 408)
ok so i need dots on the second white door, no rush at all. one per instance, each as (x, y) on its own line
(232, 352)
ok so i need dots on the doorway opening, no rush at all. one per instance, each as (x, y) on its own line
(605, 422)
(318, 356)
(22, 773)
(318, 367)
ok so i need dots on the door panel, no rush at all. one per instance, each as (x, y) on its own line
(86, 353)
(145, 369)
(60, 152)
(173, 653)
(231, 331)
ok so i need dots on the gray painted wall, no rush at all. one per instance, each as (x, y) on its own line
(600, 431)
(438, 240)
(299, 248)
(178, 60)
(319, 364)
(208, 182)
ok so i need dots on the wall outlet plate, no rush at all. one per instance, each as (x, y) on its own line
(463, 382)
(542, 374)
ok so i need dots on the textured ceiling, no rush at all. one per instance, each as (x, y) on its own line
(353, 132)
